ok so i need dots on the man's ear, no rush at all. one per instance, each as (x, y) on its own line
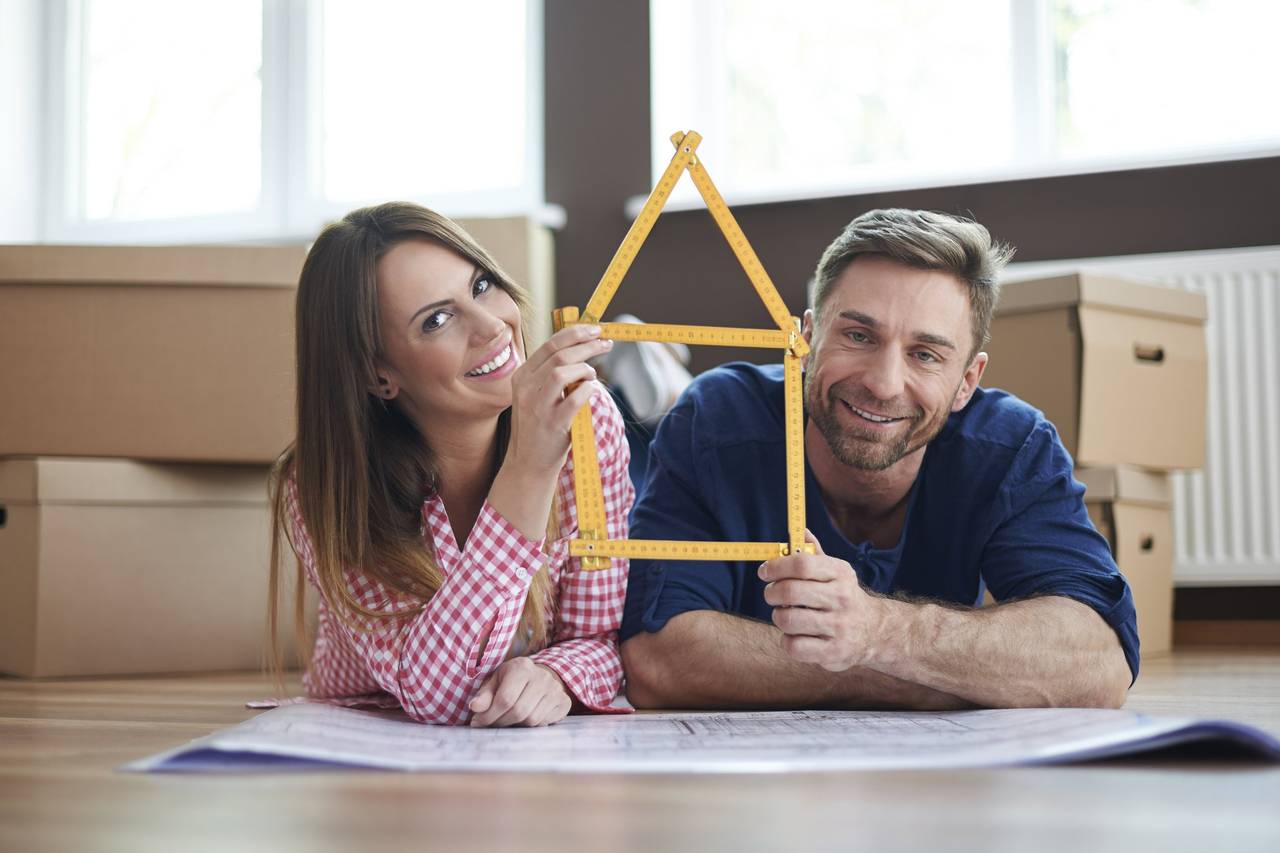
(806, 332)
(972, 376)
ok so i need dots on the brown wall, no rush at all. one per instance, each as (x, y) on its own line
(597, 130)
(597, 113)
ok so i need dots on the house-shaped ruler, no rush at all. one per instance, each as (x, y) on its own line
(593, 546)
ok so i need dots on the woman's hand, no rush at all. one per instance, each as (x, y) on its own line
(542, 410)
(520, 693)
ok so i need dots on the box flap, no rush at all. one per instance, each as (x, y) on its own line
(228, 266)
(1130, 485)
(1092, 289)
(61, 480)
(1144, 382)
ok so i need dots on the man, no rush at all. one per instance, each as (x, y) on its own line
(922, 489)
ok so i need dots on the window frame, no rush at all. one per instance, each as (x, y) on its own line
(290, 205)
(1034, 128)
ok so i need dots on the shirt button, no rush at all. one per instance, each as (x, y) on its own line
(521, 574)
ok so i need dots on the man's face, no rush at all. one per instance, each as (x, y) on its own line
(889, 360)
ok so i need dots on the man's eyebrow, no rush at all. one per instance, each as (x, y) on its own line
(859, 317)
(935, 340)
(920, 337)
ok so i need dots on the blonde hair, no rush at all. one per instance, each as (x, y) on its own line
(360, 467)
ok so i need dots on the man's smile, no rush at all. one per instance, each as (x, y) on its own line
(871, 417)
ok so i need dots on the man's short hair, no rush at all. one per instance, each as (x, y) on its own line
(924, 240)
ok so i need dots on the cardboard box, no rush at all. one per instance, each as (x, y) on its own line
(162, 353)
(176, 353)
(1119, 367)
(1131, 508)
(114, 567)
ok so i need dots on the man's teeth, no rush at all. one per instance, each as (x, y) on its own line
(490, 366)
(873, 418)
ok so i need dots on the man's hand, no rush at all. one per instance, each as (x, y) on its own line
(825, 616)
(520, 693)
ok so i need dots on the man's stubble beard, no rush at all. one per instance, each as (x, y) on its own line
(864, 452)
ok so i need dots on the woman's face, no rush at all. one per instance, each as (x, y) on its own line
(450, 336)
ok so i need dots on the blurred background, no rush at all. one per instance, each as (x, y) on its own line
(147, 121)
(1072, 128)
(1139, 137)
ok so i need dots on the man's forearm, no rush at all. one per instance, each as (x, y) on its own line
(1049, 651)
(706, 659)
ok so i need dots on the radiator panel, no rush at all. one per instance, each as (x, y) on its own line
(1227, 516)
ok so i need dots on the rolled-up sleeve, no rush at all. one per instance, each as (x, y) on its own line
(1046, 544)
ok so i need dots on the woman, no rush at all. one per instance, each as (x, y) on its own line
(428, 495)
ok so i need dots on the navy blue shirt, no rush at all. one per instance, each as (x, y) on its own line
(995, 503)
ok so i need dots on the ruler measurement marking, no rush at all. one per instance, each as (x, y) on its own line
(697, 335)
(673, 549)
(596, 552)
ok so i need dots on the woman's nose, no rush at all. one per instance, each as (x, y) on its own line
(488, 326)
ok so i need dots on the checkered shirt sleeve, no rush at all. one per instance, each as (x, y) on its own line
(584, 650)
(432, 661)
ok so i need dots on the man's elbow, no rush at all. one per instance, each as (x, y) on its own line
(1117, 687)
(646, 677)
(1111, 689)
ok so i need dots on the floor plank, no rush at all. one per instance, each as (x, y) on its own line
(61, 742)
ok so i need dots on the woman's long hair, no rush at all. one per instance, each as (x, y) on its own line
(360, 466)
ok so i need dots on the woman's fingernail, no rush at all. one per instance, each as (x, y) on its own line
(594, 330)
(607, 343)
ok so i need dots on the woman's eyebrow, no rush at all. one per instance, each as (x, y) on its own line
(429, 308)
(476, 272)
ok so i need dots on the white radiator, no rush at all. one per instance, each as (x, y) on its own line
(1226, 517)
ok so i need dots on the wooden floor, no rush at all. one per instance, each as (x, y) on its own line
(60, 742)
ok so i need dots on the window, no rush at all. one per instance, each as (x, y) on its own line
(262, 119)
(434, 105)
(818, 97)
(1164, 75)
(165, 131)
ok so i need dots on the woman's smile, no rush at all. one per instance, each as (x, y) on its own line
(496, 366)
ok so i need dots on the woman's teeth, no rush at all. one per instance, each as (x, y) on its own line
(490, 366)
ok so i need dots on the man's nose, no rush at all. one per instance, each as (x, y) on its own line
(884, 376)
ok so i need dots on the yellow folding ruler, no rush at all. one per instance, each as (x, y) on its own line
(594, 545)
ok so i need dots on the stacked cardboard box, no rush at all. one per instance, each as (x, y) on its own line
(144, 395)
(117, 566)
(1120, 368)
(123, 366)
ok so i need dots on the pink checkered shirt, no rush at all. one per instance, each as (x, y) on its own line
(432, 663)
